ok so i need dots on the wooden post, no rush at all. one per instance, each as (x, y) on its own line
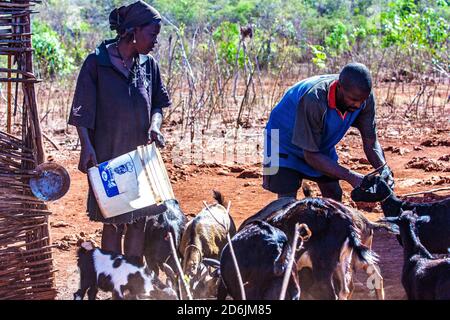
(291, 260)
(30, 92)
(8, 98)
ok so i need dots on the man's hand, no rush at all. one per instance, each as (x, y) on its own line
(87, 158)
(331, 168)
(355, 179)
(388, 176)
(154, 135)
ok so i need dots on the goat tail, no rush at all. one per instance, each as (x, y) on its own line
(363, 254)
(219, 197)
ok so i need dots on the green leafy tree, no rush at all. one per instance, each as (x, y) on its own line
(319, 56)
(52, 58)
(226, 37)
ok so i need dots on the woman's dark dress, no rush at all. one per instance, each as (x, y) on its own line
(117, 114)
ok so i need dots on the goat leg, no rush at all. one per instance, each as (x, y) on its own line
(92, 293)
(372, 271)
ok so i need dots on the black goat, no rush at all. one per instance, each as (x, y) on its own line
(262, 252)
(423, 277)
(341, 242)
(434, 234)
(157, 244)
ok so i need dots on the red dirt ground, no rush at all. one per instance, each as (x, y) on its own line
(247, 197)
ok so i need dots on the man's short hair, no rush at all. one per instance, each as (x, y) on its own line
(356, 76)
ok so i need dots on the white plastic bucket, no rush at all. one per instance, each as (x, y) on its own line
(131, 181)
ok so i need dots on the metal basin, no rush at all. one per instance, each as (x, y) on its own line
(51, 182)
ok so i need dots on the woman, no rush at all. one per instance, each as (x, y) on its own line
(117, 106)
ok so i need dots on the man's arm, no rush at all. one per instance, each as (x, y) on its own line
(373, 151)
(366, 125)
(325, 164)
(375, 155)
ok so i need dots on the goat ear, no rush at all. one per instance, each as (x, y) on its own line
(423, 219)
(388, 220)
(393, 228)
(390, 224)
(279, 265)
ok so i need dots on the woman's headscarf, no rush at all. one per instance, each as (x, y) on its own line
(126, 18)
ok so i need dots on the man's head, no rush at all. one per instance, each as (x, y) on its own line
(354, 87)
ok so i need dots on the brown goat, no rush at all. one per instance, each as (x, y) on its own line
(205, 235)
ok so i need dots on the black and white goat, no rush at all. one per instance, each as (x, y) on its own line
(157, 249)
(341, 243)
(434, 234)
(424, 277)
(262, 253)
(111, 272)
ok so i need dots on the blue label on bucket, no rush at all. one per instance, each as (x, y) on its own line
(109, 183)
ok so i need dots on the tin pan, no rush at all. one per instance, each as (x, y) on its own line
(51, 181)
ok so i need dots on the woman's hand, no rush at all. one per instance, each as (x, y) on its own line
(88, 158)
(155, 135)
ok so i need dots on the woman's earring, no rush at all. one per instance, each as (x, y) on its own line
(134, 39)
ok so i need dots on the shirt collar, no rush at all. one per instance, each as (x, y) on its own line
(103, 57)
(332, 94)
(332, 99)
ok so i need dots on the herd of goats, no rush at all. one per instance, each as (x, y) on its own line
(290, 249)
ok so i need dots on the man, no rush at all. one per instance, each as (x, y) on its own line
(307, 124)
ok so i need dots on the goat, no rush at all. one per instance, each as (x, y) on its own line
(341, 243)
(423, 277)
(157, 248)
(434, 234)
(262, 253)
(205, 235)
(111, 272)
(205, 282)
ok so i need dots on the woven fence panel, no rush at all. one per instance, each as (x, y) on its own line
(26, 268)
